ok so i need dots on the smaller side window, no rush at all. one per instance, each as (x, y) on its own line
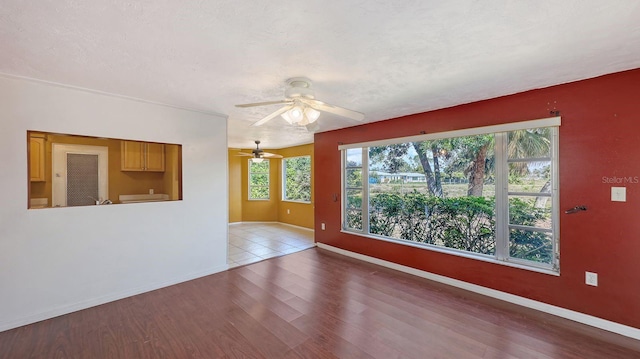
(258, 180)
(353, 189)
(296, 179)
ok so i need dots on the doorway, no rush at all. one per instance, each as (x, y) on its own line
(80, 175)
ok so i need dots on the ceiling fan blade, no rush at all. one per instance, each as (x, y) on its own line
(270, 155)
(312, 127)
(264, 103)
(274, 114)
(244, 154)
(340, 111)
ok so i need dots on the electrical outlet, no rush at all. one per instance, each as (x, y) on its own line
(322, 226)
(591, 278)
(288, 211)
(619, 194)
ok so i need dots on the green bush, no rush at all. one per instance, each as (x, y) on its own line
(530, 245)
(465, 223)
(384, 213)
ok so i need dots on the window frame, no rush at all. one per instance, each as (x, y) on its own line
(268, 186)
(502, 224)
(363, 187)
(284, 179)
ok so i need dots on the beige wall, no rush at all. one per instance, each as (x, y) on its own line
(241, 209)
(235, 186)
(300, 214)
(260, 210)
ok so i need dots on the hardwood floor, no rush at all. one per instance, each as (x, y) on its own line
(311, 304)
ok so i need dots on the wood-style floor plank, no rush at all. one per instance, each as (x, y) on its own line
(311, 304)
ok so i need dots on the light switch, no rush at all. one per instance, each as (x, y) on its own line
(619, 194)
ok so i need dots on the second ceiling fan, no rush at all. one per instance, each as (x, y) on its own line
(301, 107)
(257, 155)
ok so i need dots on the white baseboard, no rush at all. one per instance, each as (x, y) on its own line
(600, 323)
(272, 222)
(66, 309)
(299, 227)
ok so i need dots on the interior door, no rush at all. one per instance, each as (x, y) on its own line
(80, 175)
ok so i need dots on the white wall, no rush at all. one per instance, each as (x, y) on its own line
(55, 261)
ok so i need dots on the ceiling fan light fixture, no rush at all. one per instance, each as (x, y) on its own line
(294, 115)
(287, 118)
(257, 159)
(311, 114)
(301, 115)
(301, 107)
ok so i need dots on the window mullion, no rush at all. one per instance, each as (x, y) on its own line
(283, 180)
(343, 188)
(555, 198)
(343, 184)
(365, 189)
(502, 198)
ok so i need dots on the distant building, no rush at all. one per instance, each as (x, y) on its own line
(404, 177)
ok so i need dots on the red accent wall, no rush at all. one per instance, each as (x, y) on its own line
(599, 137)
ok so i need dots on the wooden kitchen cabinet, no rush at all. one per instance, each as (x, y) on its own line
(155, 157)
(142, 156)
(37, 158)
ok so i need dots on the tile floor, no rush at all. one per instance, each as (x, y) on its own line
(253, 242)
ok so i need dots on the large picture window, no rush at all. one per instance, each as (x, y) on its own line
(488, 192)
(258, 180)
(296, 179)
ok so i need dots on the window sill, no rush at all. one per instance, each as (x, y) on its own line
(458, 253)
(292, 201)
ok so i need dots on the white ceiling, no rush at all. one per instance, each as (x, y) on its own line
(384, 58)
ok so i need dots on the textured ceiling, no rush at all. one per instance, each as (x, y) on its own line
(383, 58)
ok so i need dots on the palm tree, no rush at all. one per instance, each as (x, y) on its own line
(475, 155)
(480, 149)
(531, 143)
(527, 144)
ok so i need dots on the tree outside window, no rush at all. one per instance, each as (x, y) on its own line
(487, 194)
(296, 173)
(259, 180)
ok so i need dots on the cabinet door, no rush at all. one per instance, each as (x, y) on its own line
(132, 156)
(155, 157)
(36, 159)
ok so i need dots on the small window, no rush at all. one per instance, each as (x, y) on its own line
(353, 189)
(296, 179)
(258, 180)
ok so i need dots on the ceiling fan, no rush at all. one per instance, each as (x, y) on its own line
(301, 107)
(257, 154)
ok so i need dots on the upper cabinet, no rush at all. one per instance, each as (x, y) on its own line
(142, 156)
(36, 158)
